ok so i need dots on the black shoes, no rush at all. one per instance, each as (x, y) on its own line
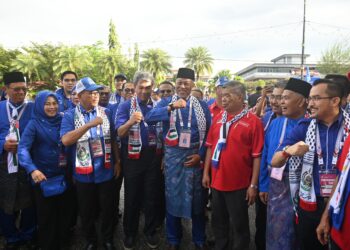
(90, 246)
(152, 241)
(108, 246)
(129, 243)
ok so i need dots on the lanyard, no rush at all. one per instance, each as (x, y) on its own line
(336, 148)
(283, 132)
(189, 116)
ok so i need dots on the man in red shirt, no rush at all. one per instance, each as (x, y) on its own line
(234, 142)
(340, 230)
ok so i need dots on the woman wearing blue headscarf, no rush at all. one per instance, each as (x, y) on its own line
(41, 154)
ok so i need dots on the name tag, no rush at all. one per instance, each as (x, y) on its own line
(326, 183)
(96, 147)
(277, 173)
(185, 138)
(152, 138)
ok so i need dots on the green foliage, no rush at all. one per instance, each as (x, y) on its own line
(336, 59)
(157, 62)
(222, 73)
(75, 58)
(6, 57)
(200, 60)
(113, 41)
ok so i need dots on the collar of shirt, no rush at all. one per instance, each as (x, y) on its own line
(336, 123)
(84, 112)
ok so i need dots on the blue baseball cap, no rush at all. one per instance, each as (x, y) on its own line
(87, 84)
(221, 81)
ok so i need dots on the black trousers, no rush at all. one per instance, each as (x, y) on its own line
(161, 197)
(230, 220)
(54, 215)
(306, 228)
(94, 200)
(260, 225)
(141, 186)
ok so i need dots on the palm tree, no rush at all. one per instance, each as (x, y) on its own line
(222, 73)
(156, 61)
(200, 60)
(73, 58)
(28, 64)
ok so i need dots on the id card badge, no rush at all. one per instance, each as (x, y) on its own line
(277, 173)
(96, 147)
(108, 151)
(326, 183)
(152, 138)
(185, 138)
(62, 160)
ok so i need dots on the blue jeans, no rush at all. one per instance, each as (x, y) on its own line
(26, 228)
(174, 229)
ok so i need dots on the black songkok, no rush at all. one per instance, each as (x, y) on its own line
(12, 77)
(298, 86)
(185, 73)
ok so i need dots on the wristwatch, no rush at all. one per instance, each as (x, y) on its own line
(284, 152)
(253, 186)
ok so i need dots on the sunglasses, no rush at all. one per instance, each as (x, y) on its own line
(165, 91)
(104, 93)
(129, 90)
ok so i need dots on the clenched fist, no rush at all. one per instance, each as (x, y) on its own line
(298, 149)
(181, 103)
(136, 117)
(97, 121)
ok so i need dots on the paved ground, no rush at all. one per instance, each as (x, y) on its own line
(186, 243)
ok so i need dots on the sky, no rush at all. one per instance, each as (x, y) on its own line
(236, 33)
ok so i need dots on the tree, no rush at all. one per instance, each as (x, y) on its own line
(222, 73)
(113, 41)
(200, 60)
(110, 65)
(45, 54)
(28, 64)
(6, 57)
(335, 60)
(157, 62)
(75, 58)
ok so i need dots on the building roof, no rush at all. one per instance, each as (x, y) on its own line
(288, 55)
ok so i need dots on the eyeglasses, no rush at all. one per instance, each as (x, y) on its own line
(318, 98)
(129, 90)
(104, 93)
(69, 80)
(275, 97)
(94, 93)
(165, 91)
(18, 89)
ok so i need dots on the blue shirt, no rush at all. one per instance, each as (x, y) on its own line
(271, 143)
(5, 125)
(123, 115)
(328, 137)
(64, 103)
(160, 113)
(36, 151)
(100, 173)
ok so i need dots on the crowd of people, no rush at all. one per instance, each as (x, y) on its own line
(66, 154)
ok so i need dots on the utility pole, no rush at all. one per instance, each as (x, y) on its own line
(303, 45)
